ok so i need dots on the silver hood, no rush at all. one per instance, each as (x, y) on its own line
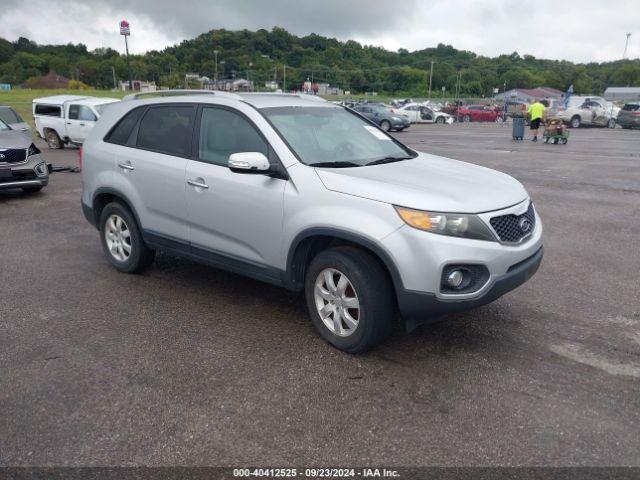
(14, 139)
(428, 182)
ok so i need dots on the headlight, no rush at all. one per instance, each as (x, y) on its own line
(452, 224)
(396, 119)
(33, 150)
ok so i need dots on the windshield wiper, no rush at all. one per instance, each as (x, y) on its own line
(335, 164)
(380, 161)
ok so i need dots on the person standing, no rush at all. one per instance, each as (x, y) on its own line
(536, 112)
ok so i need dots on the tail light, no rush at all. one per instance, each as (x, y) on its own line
(80, 158)
(636, 113)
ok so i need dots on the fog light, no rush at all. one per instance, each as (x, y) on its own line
(455, 278)
(41, 170)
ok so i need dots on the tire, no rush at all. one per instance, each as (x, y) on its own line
(368, 284)
(611, 123)
(440, 120)
(466, 119)
(385, 125)
(499, 120)
(546, 139)
(140, 256)
(563, 141)
(32, 189)
(53, 140)
(575, 121)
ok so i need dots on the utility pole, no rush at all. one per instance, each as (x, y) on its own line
(284, 78)
(215, 53)
(626, 44)
(125, 31)
(113, 72)
(430, 78)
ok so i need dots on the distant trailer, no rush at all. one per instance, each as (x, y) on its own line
(613, 94)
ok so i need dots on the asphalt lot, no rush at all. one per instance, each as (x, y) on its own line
(188, 365)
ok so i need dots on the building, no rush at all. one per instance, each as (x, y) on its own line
(613, 94)
(5, 86)
(138, 86)
(271, 85)
(529, 94)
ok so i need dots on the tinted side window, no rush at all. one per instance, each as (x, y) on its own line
(48, 110)
(223, 133)
(74, 112)
(166, 129)
(122, 131)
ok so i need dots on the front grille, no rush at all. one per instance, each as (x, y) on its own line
(19, 176)
(513, 228)
(13, 155)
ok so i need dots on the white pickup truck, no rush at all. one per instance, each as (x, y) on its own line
(67, 119)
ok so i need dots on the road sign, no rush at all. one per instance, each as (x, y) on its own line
(124, 28)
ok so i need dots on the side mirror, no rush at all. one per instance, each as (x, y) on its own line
(249, 162)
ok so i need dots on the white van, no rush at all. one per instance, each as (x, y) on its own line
(65, 119)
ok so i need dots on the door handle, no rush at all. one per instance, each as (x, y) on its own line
(82, 124)
(195, 183)
(126, 166)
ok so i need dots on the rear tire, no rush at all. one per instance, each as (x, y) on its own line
(611, 123)
(365, 284)
(122, 241)
(466, 119)
(385, 125)
(53, 140)
(440, 120)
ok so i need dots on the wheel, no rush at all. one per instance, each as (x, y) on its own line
(122, 241)
(349, 298)
(385, 125)
(555, 141)
(611, 123)
(575, 121)
(563, 141)
(31, 189)
(53, 140)
(466, 119)
(440, 120)
(546, 139)
(499, 120)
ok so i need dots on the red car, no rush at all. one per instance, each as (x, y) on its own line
(480, 113)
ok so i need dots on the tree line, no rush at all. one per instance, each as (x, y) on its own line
(264, 55)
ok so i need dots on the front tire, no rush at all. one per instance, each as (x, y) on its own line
(350, 298)
(385, 125)
(122, 241)
(611, 123)
(576, 122)
(466, 119)
(440, 120)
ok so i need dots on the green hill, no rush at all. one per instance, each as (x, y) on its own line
(261, 56)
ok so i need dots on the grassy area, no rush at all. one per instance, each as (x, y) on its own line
(20, 98)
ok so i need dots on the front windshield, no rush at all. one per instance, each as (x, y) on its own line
(9, 116)
(334, 136)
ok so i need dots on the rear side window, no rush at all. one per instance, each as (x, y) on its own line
(48, 110)
(166, 129)
(631, 107)
(122, 131)
(74, 112)
(223, 133)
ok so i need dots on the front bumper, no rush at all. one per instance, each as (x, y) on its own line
(418, 308)
(24, 175)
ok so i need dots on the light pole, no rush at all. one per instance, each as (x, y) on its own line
(430, 77)
(215, 75)
(626, 44)
(125, 31)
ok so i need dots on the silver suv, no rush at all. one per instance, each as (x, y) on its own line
(312, 196)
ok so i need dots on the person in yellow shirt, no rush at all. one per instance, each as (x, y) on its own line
(536, 112)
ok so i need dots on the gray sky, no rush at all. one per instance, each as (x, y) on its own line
(586, 30)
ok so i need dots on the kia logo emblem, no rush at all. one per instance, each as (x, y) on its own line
(524, 224)
(1, 155)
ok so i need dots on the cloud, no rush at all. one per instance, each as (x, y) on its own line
(587, 30)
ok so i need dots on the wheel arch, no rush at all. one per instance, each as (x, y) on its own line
(309, 242)
(105, 195)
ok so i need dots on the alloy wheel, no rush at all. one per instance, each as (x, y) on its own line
(337, 302)
(118, 237)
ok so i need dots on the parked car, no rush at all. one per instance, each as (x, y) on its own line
(311, 196)
(67, 119)
(11, 118)
(629, 116)
(480, 113)
(21, 165)
(417, 113)
(383, 117)
(592, 111)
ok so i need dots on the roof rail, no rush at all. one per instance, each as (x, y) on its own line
(304, 96)
(180, 92)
